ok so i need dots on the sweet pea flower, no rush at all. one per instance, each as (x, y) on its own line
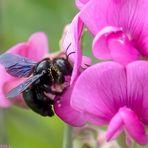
(80, 3)
(111, 94)
(36, 48)
(71, 44)
(73, 38)
(119, 28)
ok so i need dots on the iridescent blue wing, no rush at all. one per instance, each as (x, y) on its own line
(17, 66)
(23, 86)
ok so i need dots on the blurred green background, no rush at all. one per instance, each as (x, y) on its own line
(18, 20)
(20, 128)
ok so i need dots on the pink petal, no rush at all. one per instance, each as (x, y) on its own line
(73, 39)
(123, 53)
(86, 61)
(115, 127)
(94, 15)
(65, 111)
(128, 120)
(100, 43)
(7, 83)
(80, 3)
(133, 126)
(19, 48)
(3, 78)
(137, 86)
(130, 15)
(10, 84)
(98, 92)
(35, 48)
(112, 43)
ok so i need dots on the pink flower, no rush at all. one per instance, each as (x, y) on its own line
(71, 40)
(66, 112)
(111, 94)
(119, 28)
(80, 3)
(36, 48)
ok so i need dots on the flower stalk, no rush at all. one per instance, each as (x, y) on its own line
(3, 135)
(67, 140)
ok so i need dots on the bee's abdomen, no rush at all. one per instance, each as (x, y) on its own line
(37, 101)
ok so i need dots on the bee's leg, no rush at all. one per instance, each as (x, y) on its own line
(41, 96)
(48, 89)
(36, 101)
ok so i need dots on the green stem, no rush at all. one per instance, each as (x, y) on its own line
(3, 135)
(122, 142)
(67, 140)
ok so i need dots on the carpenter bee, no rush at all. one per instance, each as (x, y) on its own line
(41, 77)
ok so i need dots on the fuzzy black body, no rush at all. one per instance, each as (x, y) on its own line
(54, 73)
(41, 77)
(37, 101)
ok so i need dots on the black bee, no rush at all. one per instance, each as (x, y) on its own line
(42, 75)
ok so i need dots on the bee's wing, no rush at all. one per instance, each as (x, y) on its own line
(17, 66)
(23, 86)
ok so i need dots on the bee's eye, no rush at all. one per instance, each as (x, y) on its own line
(64, 66)
(42, 66)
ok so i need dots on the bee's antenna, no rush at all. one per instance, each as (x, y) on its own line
(69, 53)
(67, 48)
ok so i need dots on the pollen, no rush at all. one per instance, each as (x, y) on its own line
(59, 103)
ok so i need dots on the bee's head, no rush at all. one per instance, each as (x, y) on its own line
(63, 65)
(42, 66)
